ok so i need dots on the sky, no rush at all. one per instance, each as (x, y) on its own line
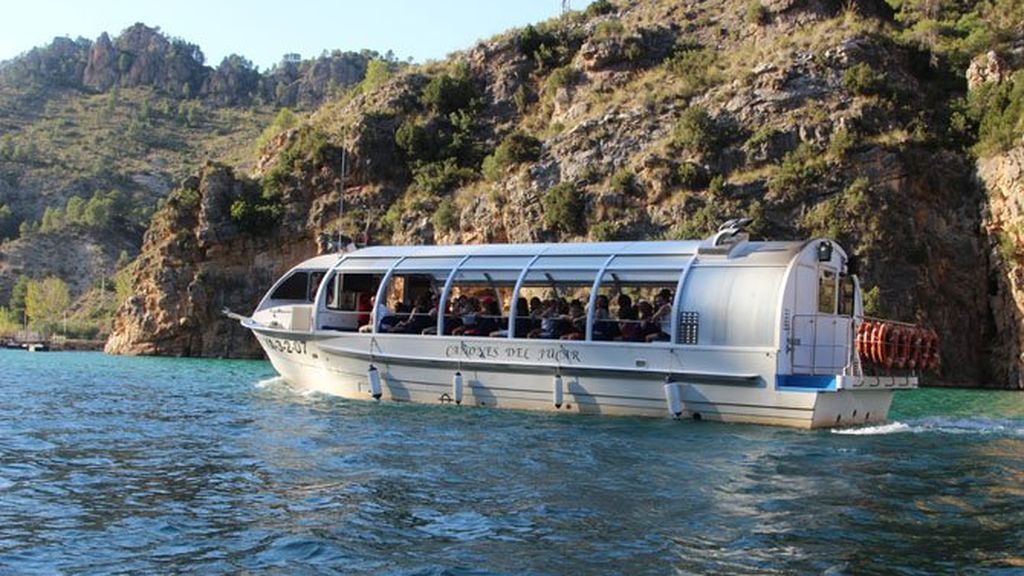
(263, 30)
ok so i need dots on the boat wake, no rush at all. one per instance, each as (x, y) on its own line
(278, 386)
(274, 382)
(941, 425)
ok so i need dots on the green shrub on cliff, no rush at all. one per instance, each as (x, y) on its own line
(606, 232)
(696, 131)
(254, 214)
(446, 217)
(563, 208)
(436, 178)
(863, 80)
(516, 148)
(624, 182)
(800, 169)
(691, 176)
(306, 146)
(285, 120)
(756, 12)
(377, 73)
(599, 8)
(694, 68)
(998, 109)
(563, 77)
(447, 93)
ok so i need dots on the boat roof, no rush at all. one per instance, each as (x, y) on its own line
(755, 253)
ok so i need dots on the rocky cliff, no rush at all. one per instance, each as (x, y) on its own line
(1003, 176)
(651, 119)
(143, 56)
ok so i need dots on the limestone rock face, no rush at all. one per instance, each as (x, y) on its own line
(194, 263)
(101, 71)
(1004, 225)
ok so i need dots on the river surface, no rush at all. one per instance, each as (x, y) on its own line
(159, 466)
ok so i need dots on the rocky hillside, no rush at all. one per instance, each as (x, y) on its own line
(95, 134)
(649, 119)
(142, 56)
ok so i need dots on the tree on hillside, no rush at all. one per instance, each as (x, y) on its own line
(46, 301)
(8, 223)
(9, 323)
(18, 293)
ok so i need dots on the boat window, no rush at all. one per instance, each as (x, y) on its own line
(411, 301)
(294, 287)
(628, 309)
(827, 291)
(557, 302)
(847, 289)
(356, 291)
(315, 279)
(478, 309)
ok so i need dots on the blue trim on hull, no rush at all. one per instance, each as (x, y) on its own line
(805, 383)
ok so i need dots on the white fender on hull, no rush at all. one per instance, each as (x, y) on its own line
(457, 387)
(374, 377)
(557, 391)
(674, 399)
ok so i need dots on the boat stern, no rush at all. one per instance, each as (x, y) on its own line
(844, 400)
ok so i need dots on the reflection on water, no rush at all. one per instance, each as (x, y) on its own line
(117, 465)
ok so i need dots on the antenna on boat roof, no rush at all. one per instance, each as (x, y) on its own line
(736, 224)
(341, 198)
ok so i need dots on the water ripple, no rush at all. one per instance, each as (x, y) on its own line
(133, 465)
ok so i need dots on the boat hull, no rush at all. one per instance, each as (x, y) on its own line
(594, 378)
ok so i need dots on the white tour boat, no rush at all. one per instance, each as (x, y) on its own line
(721, 329)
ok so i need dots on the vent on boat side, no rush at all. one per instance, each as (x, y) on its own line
(689, 323)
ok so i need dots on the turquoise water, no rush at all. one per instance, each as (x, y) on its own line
(147, 465)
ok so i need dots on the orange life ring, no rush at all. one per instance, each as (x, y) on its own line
(889, 342)
(876, 343)
(901, 337)
(915, 342)
(934, 358)
(861, 340)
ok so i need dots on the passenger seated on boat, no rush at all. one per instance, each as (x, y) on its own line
(577, 322)
(628, 325)
(553, 322)
(536, 313)
(523, 321)
(418, 319)
(662, 317)
(380, 311)
(647, 326)
(468, 313)
(604, 327)
(487, 322)
(453, 316)
(363, 304)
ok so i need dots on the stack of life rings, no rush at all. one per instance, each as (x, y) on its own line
(900, 346)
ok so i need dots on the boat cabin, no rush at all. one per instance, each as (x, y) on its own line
(794, 298)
